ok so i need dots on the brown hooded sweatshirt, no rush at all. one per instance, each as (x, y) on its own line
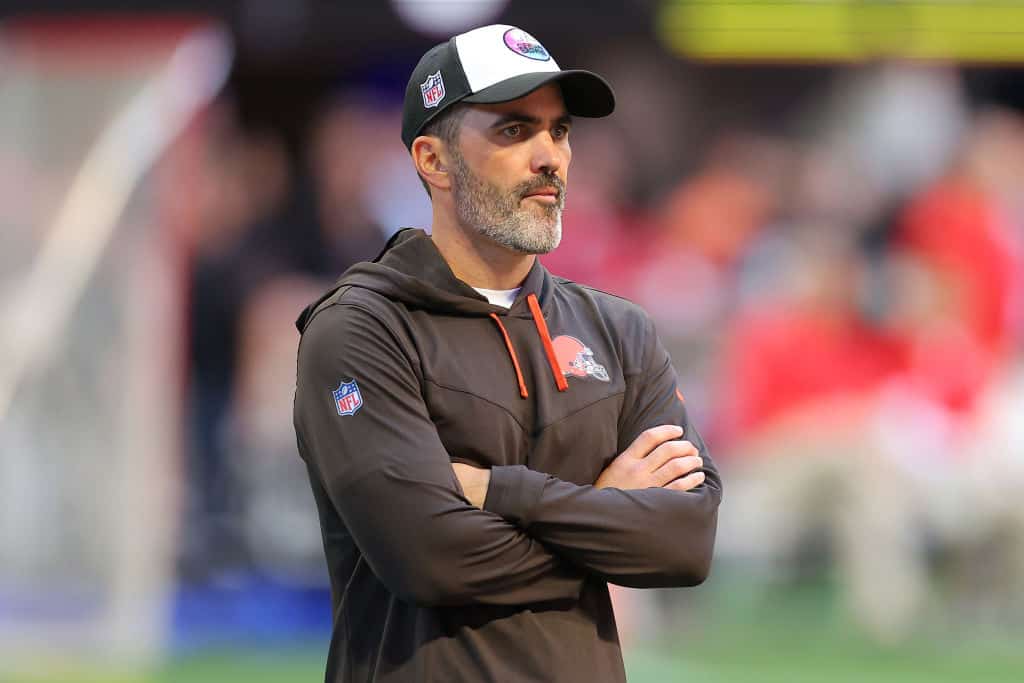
(404, 369)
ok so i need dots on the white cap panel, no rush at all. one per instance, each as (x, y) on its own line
(494, 53)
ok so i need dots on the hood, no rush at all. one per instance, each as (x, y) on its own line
(410, 269)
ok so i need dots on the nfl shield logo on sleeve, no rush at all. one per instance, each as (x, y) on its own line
(347, 398)
(432, 89)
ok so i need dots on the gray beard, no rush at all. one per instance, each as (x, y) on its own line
(500, 216)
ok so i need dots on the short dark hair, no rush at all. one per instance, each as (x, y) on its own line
(445, 126)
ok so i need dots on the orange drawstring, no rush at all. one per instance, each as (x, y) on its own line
(545, 338)
(512, 354)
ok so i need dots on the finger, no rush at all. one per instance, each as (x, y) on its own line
(651, 438)
(688, 482)
(668, 451)
(676, 468)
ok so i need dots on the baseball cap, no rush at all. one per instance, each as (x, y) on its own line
(491, 64)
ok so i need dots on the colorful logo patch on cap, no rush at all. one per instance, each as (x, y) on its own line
(522, 43)
(576, 359)
(433, 90)
(347, 398)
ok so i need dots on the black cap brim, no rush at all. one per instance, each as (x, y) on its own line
(586, 94)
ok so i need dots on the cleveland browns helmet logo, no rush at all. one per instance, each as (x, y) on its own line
(576, 359)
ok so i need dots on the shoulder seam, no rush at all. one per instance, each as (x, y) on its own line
(413, 363)
(614, 296)
(331, 300)
(336, 300)
(589, 288)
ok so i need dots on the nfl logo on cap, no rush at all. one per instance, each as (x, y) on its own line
(347, 398)
(433, 90)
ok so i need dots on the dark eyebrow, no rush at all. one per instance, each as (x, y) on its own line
(515, 117)
(519, 117)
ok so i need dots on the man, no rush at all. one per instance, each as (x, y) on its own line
(479, 480)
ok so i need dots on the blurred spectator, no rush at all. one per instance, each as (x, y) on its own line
(277, 515)
(898, 124)
(718, 211)
(866, 411)
(244, 178)
(962, 226)
(705, 225)
(345, 144)
(796, 396)
(808, 342)
(263, 222)
(963, 350)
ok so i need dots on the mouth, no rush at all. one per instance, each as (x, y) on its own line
(548, 195)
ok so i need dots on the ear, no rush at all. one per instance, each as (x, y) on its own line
(430, 158)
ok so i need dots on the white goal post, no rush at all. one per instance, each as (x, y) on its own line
(91, 345)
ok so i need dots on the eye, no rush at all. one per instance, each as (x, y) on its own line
(512, 131)
(560, 132)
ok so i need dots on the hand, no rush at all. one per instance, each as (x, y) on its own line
(655, 459)
(474, 482)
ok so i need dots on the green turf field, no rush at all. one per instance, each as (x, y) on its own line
(724, 632)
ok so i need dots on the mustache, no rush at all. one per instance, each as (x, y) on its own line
(539, 182)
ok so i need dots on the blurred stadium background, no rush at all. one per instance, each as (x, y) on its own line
(821, 204)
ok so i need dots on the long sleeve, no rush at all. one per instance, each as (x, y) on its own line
(390, 479)
(641, 538)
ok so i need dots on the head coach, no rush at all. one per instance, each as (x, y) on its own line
(489, 445)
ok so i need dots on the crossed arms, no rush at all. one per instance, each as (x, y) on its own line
(648, 521)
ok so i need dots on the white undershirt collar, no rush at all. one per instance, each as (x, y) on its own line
(499, 297)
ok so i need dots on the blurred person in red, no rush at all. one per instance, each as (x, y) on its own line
(875, 415)
(479, 482)
(798, 391)
(962, 353)
(799, 378)
(963, 228)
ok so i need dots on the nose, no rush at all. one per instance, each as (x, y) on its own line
(547, 157)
